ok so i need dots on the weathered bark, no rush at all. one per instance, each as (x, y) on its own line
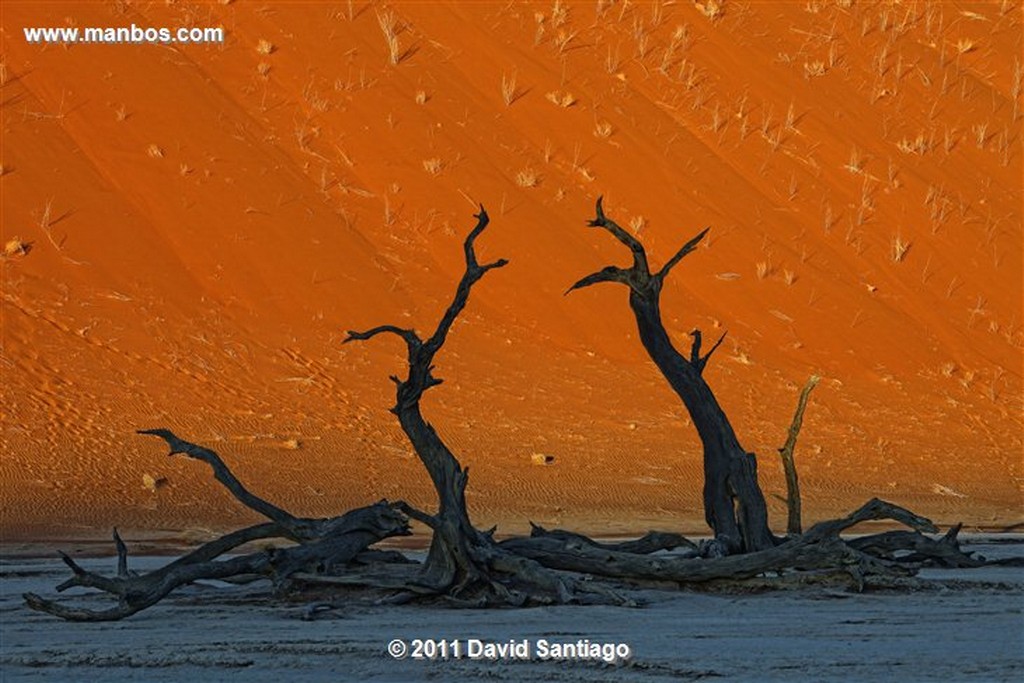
(914, 548)
(651, 542)
(734, 505)
(463, 563)
(793, 523)
(819, 549)
(323, 545)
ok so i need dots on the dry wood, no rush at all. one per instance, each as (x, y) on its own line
(793, 524)
(734, 505)
(324, 544)
(464, 564)
(819, 549)
(466, 567)
(651, 542)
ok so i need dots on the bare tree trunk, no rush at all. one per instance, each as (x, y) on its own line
(734, 505)
(794, 526)
(463, 563)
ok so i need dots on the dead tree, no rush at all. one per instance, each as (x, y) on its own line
(322, 545)
(793, 522)
(466, 565)
(463, 563)
(818, 556)
(734, 506)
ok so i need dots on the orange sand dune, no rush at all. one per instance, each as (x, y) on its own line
(205, 222)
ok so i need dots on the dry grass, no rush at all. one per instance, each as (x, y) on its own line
(790, 122)
(981, 136)
(712, 9)
(679, 41)
(717, 119)
(433, 166)
(46, 215)
(561, 99)
(814, 69)
(856, 162)
(509, 94)
(898, 248)
(563, 40)
(389, 27)
(919, 145)
(965, 45)
(603, 130)
(265, 47)
(559, 13)
(527, 178)
(16, 247)
(1015, 86)
(612, 62)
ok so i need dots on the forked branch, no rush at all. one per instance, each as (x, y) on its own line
(683, 251)
(634, 245)
(638, 277)
(421, 353)
(474, 271)
(696, 360)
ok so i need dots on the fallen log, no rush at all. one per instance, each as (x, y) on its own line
(820, 548)
(651, 542)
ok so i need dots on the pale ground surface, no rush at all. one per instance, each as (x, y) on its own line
(970, 629)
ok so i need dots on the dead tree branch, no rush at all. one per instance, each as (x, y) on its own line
(820, 549)
(324, 544)
(793, 524)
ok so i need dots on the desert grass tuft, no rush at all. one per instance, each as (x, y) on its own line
(433, 166)
(561, 99)
(509, 94)
(527, 178)
(898, 248)
(388, 22)
(16, 247)
(712, 9)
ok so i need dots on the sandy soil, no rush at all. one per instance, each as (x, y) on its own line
(969, 628)
(204, 222)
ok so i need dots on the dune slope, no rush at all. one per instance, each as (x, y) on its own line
(201, 224)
